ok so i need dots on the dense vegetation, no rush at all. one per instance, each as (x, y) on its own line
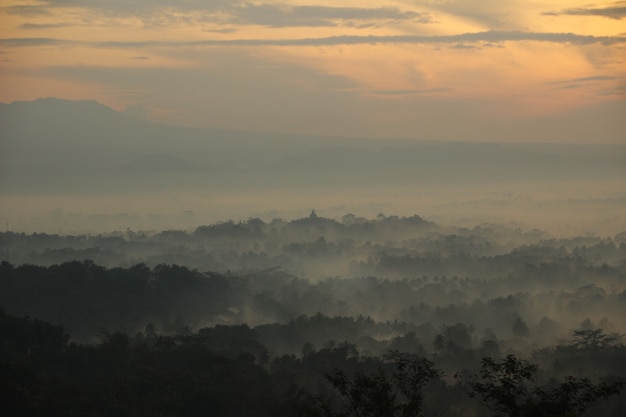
(225, 371)
(392, 316)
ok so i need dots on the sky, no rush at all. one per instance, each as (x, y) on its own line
(492, 70)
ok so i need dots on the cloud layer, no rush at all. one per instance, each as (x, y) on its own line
(400, 68)
(618, 11)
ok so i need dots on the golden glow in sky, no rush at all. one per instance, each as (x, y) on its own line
(440, 69)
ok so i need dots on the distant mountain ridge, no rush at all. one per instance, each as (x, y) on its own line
(61, 144)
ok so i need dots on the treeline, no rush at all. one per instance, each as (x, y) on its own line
(313, 246)
(225, 371)
(313, 317)
(509, 312)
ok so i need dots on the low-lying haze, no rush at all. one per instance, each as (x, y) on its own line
(76, 167)
(289, 201)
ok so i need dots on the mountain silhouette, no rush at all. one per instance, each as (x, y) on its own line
(63, 144)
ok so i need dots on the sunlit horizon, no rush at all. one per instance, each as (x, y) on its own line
(441, 70)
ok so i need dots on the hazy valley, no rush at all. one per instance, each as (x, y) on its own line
(160, 270)
(76, 167)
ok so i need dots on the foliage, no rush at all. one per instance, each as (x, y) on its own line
(224, 371)
(383, 393)
(244, 343)
(595, 339)
(507, 389)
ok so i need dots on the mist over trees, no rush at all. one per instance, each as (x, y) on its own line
(270, 208)
(315, 316)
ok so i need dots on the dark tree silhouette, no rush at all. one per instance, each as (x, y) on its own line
(507, 388)
(594, 339)
(392, 392)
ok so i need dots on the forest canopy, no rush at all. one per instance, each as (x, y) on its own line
(315, 316)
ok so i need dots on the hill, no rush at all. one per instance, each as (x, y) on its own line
(61, 144)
